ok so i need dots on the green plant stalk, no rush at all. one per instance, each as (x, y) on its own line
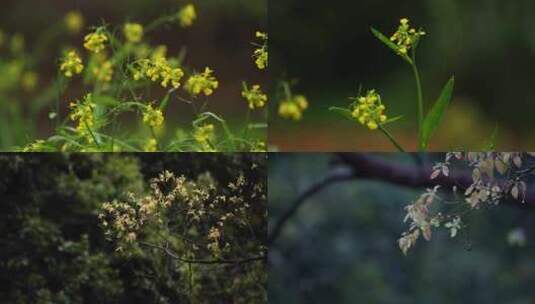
(391, 138)
(420, 99)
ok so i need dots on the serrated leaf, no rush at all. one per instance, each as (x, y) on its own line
(342, 111)
(389, 43)
(434, 117)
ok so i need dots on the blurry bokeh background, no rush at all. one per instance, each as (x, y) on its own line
(489, 45)
(220, 38)
(341, 246)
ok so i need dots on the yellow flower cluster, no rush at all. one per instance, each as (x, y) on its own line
(158, 70)
(406, 37)
(95, 42)
(261, 53)
(203, 82)
(187, 15)
(103, 69)
(254, 96)
(74, 21)
(71, 64)
(151, 145)
(369, 111)
(82, 112)
(294, 107)
(204, 135)
(133, 32)
(153, 117)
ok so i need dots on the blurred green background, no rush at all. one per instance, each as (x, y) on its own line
(341, 246)
(489, 45)
(220, 38)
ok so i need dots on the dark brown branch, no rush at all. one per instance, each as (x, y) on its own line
(335, 177)
(368, 166)
(172, 254)
(372, 167)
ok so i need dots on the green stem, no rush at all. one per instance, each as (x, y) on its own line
(391, 138)
(420, 98)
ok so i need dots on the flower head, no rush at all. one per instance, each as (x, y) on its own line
(71, 64)
(254, 96)
(95, 42)
(261, 53)
(153, 117)
(369, 111)
(82, 113)
(151, 145)
(406, 37)
(203, 82)
(133, 32)
(74, 21)
(158, 70)
(293, 107)
(204, 135)
(187, 15)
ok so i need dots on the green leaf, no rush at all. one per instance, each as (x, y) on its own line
(389, 43)
(434, 117)
(342, 111)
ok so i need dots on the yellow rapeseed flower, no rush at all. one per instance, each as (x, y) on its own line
(153, 117)
(369, 111)
(261, 53)
(82, 113)
(133, 32)
(71, 64)
(151, 145)
(254, 96)
(95, 42)
(158, 70)
(203, 82)
(204, 136)
(293, 108)
(187, 15)
(406, 37)
(74, 21)
(103, 72)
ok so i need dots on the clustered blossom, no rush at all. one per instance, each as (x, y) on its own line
(103, 69)
(82, 113)
(133, 32)
(71, 64)
(293, 107)
(406, 37)
(495, 176)
(158, 70)
(261, 53)
(204, 136)
(187, 15)
(208, 210)
(254, 96)
(95, 42)
(203, 82)
(369, 111)
(153, 117)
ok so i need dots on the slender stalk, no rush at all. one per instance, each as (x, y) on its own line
(391, 138)
(420, 99)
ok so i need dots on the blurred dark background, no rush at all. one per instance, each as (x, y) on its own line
(220, 38)
(489, 45)
(341, 246)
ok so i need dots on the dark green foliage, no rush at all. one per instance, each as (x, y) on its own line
(52, 249)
